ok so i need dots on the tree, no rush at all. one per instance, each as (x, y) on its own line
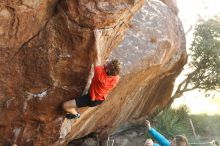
(205, 59)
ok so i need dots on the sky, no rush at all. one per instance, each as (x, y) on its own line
(189, 12)
(192, 10)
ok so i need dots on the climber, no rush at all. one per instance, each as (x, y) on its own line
(105, 78)
(179, 140)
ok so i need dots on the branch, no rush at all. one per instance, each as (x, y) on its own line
(188, 30)
(185, 83)
(190, 89)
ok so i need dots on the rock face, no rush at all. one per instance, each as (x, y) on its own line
(46, 52)
(172, 5)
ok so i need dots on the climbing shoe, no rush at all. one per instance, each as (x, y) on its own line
(72, 116)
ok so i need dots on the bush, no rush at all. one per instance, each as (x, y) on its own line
(171, 122)
(207, 125)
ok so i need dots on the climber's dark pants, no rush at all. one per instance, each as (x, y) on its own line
(85, 100)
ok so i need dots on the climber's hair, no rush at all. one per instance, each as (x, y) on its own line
(181, 140)
(113, 67)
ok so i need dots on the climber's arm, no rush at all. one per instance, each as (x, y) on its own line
(89, 80)
(97, 49)
(96, 59)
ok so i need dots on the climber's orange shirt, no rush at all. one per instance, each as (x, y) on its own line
(101, 83)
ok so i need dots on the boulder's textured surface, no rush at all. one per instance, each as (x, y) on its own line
(46, 52)
(172, 4)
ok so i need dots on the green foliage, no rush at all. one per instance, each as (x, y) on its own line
(207, 128)
(205, 55)
(206, 125)
(173, 122)
(204, 59)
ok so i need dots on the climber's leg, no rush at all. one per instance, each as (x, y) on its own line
(83, 101)
(70, 106)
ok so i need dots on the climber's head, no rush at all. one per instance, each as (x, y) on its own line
(179, 140)
(112, 67)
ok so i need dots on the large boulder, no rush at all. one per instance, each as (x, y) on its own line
(153, 54)
(46, 52)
